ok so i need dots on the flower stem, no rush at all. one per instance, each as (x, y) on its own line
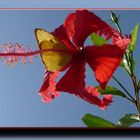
(129, 60)
(136, 93)
(133, 78)
(132, 99)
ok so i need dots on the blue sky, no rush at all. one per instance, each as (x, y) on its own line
(20, 103)
(70, 4)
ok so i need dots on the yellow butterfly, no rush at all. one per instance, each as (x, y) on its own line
(53, 60)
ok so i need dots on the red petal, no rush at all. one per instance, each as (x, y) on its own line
(61, 34)
(91, 95)
(91, 98)
(123, 43)
(73, 80)
(82, 23)
(107, 99)
(93, 91)
(104, 61)
(48, 88)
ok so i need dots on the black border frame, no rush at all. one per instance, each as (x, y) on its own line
(68, 132)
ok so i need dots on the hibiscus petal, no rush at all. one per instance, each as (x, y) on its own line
(61, 34)
(73, 80)
(107, 99)
(92, 96)
(123, 43)
(48, 88)
(104, 61)
(73, 83)
(93, 91)
(82, 23)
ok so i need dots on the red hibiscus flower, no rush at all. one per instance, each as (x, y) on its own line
(103, 60)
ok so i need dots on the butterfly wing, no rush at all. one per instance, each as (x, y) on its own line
(53, 60)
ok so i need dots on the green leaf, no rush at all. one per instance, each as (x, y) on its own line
(111, 90)
(134, 34)
(128, 120)
(98, 40)
(122, 64)
(96, 122)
